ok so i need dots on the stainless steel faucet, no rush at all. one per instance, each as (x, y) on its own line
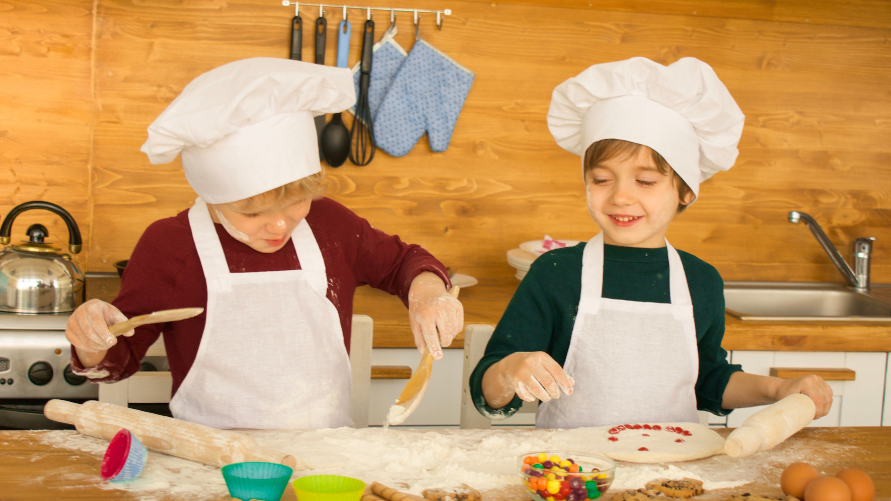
(857, 279)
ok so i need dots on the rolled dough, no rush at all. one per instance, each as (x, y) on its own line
(662, 445)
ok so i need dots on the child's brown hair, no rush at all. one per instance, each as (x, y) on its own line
(606, 149)
(311, 187)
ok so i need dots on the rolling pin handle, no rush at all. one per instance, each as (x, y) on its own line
(61, 411)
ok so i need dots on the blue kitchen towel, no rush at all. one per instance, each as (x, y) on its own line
(427, 94)
(386, 59)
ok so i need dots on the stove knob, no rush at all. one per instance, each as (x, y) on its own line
(72, 378)
(40, 373)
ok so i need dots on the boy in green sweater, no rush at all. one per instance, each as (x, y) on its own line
(626, 327)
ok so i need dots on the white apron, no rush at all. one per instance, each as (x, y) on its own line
(272, 354)
(632, 362)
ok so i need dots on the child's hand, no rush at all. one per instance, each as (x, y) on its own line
(534, 375)
(434, 315)
(812, 386)
(87, 330)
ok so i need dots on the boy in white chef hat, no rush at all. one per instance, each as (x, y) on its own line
(626, 326)
(276, 279)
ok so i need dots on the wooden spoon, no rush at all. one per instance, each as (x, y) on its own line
(157, 317)
(416, 386)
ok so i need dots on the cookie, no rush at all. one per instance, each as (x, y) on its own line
(464, 493)
(683, 488)
(757, 497)
(642, 495)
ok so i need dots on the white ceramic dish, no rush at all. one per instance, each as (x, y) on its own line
(463, 281)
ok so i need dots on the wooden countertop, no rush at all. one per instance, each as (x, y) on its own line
(485, 303)
(30, 469)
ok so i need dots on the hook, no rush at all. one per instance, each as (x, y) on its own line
(345, 13)
(368, 14)
(439, 19)
(321, 10)
(416, 17)
(392, 17)
(417, 28)
(296, 9)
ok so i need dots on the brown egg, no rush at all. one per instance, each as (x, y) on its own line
(795, 478)
(827, 488)
(860, 483)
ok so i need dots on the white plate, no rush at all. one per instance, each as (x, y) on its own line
(463, 281)
(537, 246)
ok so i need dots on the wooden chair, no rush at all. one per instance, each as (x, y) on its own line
(155, 387)
(476, 337)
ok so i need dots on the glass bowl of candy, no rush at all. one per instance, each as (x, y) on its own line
(566, 475)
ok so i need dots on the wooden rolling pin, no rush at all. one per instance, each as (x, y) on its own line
(770, 426)
(178, 438)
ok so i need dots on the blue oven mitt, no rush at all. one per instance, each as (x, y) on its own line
(387, 57)
(427, 94)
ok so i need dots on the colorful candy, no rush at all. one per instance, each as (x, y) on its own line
(554, 479)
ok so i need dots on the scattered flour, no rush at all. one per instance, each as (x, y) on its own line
(409, 459)
(638, 476)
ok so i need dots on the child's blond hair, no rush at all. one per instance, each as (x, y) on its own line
(607, 149)
(311, 187)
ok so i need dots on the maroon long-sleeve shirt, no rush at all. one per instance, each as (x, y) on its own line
(165, 272)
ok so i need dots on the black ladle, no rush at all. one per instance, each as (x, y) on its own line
(336, 137)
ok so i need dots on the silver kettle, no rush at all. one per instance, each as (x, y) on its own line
(36, 277)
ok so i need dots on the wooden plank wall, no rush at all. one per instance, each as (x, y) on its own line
(80, 81)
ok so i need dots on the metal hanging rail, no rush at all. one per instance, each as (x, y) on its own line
(391, 10)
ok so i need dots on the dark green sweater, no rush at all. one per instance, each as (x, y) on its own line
(541, 315)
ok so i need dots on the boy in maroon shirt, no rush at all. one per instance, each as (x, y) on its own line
(276, 278)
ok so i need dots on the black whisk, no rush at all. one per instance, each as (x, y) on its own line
(362, 132)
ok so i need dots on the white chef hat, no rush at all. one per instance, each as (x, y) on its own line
(247, 127)
(682, 111)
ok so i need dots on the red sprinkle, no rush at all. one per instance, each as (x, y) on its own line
(647, 427)
(627, 426)
(645, 435)
(669, 428)
(657, 427)
(679, 440)
(613, 439)
(687, 433)
(643, 449)
(620, 427)
(637, 427)
(613, 431)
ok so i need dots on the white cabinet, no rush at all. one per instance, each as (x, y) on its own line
(854, 403)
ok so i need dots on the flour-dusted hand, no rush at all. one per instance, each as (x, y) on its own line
(534, 375)
(434, 315)
(87, 330)
(813, 386)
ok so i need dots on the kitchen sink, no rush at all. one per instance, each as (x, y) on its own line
(804, 302)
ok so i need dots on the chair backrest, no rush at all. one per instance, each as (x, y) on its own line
(476, 337)
(360, 366)
(155, 387)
